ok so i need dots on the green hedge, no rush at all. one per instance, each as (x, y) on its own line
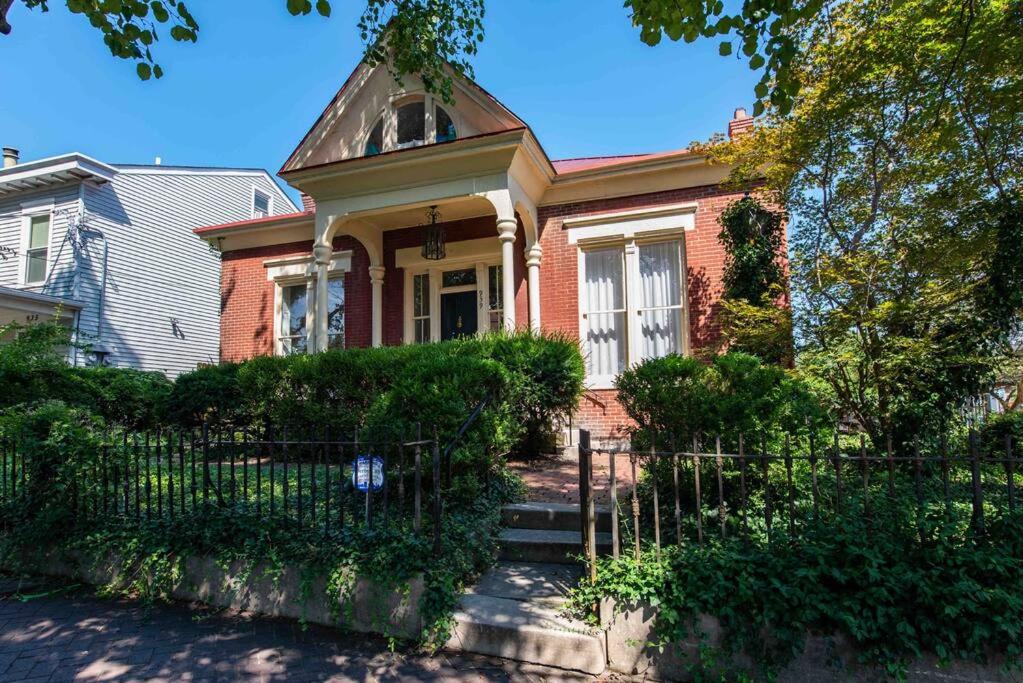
(677, 396)
(529, 380)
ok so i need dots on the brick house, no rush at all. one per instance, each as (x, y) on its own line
(425, 220)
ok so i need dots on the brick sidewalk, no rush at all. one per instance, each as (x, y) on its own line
(73, 635)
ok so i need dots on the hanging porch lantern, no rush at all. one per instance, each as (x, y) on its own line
(433, 236)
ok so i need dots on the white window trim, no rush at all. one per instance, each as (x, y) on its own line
(436, 273)
(269, 203)
(296, 270)
(633, 292)
(30, 210)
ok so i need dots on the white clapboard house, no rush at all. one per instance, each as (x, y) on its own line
(108, 250)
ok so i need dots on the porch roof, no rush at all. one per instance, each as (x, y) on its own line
(17, 303)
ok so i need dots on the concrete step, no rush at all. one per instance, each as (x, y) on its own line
(560, 516)
(546, 546)
(529, 581)
(527, 632)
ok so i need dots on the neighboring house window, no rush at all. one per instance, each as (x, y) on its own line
(411, 125)
(445, 126)
(336, 313)
(495, 305)
(294, 305)
(421, 307)
(375, 142)
(38, 249)
(260, 204)
(634, 284)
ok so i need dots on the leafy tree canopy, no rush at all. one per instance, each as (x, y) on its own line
(420, 36)
(901, 163)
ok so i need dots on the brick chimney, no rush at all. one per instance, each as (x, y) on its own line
(11, 156)
(308, 204)
(740, 124)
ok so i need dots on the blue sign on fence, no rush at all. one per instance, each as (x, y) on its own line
(360, 475)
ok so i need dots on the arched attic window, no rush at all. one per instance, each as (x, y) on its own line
(375, 141)
(445, 126)
(411, 125)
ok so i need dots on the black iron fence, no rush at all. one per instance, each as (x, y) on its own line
(681, 496)
(315, 479)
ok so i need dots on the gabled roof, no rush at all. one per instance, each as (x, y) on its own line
(53, 171)
(356, 80)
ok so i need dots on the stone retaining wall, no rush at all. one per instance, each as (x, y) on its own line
(823, 659)
(367, 607)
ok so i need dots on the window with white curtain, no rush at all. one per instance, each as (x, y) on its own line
(660, 305)
(632, 305)
(605, 312)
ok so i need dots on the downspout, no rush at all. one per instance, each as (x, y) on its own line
(92, 232)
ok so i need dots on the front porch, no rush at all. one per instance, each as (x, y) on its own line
(356, 269)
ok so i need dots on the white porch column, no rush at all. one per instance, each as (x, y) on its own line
(376, 279)
(533, 255)
(506, 228)
(322, 254)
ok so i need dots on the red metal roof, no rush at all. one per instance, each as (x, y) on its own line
(588, 163)
(255, 221)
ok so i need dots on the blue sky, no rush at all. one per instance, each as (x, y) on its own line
(246, 93)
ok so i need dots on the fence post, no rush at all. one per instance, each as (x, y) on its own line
(813, 470)
(584, 491)
(791, 488)
(1009, 473)
(436, 494)
(635, 507)
(615, 541)
(742, 485)
(865, 472)
(417, 521)
(205, 466)
(587, 508)
(718, 463)
(696, 487)
(766, 469)
(674, 476)
(978, 490)
(891, 465)
(657, 504)
(838, 473)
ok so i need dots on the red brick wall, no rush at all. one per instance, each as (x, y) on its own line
(559, 296)
(247, 298)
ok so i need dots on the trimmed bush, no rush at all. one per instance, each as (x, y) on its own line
(208, 393)
(678, 396)
(529, 381)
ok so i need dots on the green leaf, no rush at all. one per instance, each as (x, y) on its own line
(323, 7)
(725, 49)
(755, 62)
(143, 70)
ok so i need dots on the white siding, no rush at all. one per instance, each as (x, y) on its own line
(60, 280)
(159, 271)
